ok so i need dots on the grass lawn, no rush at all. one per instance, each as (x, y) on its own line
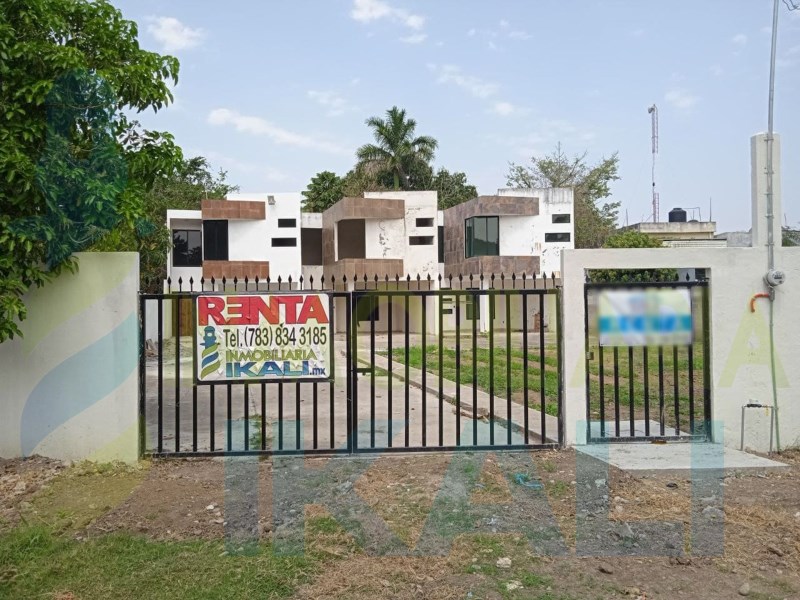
(35, 562)
(501, 360)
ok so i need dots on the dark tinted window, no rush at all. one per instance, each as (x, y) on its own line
(215, 240)
(562, 218)
(441, 243)
(557, 237)
(311, 246)
(284, 242)
(482, 237)
(424, 222)
(287, 222)
(420, 240)
(187, 249)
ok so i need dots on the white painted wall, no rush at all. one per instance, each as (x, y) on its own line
(527, 234)
(252, 240)
(385, 238)
(70, 385)
(739, 338)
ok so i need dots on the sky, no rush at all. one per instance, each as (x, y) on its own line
(275, 91)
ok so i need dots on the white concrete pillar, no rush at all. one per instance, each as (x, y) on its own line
(758, 178)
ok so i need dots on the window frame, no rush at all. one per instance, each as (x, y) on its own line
(188, 263)
(284, 239)
(283, 223)
(472, 229)
(213, 233)
(562, 221)
(558, 233)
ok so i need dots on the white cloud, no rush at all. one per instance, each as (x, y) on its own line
(174, 35)
(366, 11)
(472, 32)
(492, 46)
(507, 109)
(505, 24)
(280, 136)
(739, 39)
(474, 85)
(414, 38)
(229, 163)
(334, 102)
(519, 35)
(716, 70)
(680, 98)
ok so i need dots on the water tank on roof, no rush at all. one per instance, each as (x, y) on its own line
(677, 215)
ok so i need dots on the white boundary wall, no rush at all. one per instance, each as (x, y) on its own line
(740, 359)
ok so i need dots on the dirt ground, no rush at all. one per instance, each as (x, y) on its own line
(404, 526)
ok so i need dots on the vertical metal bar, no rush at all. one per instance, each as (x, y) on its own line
(229, 421)
(588, 354)
(389, 357)
(602, 393)
(616, 391)
(353, 335)
(441, 366)
(676, 389)
(525, 365)
(246, 417)
(161, 374)
(178, 376)
(632, 424)
(298, 421)
(646, 391)
(372, 302)
(142, 376)
(690, 357)
(314, 416)
(542, 380)
(194, 416)
(661, 389)
(407, 407)
(507, 297)
(424, 371)
(212, 409)
(491, 368)
(475, 300)
(707, 365)
(263, 416)
(458, 369)
(280, 416)
(351, 374)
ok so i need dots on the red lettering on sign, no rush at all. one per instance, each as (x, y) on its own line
(291, 302)
(210, 306)
(312, 309)
(238, 310)
(269, 311)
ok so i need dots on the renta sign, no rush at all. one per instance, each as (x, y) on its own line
(264, 337)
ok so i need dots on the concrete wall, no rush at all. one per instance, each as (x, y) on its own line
(70, 384)
(740, 355)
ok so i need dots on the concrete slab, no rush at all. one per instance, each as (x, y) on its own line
(675, 456)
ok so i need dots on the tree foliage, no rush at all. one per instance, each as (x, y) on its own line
(630, 238)
(594, 221)
(790, 237)
(325, 190)
(73, 165)
(397, 150)
(453, 188)
(183, 189)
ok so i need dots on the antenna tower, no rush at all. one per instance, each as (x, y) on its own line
(653, 111)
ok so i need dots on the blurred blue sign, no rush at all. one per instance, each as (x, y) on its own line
(649, 317)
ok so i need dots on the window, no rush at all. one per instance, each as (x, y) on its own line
(311, 246)
(287, 222)
(424, 222)
(284, 242)
(482, 237)
(351, 239)
(420, 240)
(441, 243)
(187, 248)
(557, 237)
(562, 218)
(366, 306)
(215, 240)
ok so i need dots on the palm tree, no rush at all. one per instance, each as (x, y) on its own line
(396, 149)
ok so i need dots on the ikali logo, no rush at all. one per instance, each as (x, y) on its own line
(263, 337)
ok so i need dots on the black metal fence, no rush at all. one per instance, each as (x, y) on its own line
(422, 363)
(644, 393)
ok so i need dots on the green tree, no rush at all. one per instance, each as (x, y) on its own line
(183, 189)
(452, 188)
(396, 149)
(73, 165)
(630, 238)
(594, 221)
(790, 237)
(325, 190)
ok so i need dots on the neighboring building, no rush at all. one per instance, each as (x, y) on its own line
(736, 239)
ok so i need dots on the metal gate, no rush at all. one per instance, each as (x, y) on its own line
(468, 363)
(649, 392)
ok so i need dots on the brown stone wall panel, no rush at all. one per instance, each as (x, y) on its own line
(239, 269)
(233, 210)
